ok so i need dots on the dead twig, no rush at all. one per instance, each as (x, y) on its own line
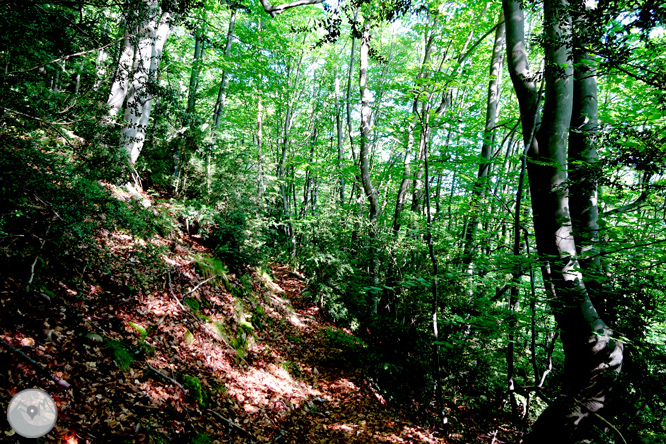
(232, 424)
(200, 284)
(168, 378)
(32, 267)
(35, 364)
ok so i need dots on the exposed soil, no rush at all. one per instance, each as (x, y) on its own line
(183, 359)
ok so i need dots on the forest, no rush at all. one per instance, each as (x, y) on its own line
(335, 221)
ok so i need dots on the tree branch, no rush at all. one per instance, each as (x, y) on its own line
(34, 363)
(632, 206)
(274, 10)
(65, 57)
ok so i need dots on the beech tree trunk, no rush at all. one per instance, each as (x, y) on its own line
(492, 107)
(404, 184)
(260, 110)
(582, 159)
(368, 188)
(349, 85)
(338, 126)
(222, 92)
(366, 99)
(152, 33)
(124, 70)
(196, 69)
(593, 358)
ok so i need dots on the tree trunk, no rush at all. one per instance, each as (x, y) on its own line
(349, 83)
(370, 191)
(338, 125)
(417, 184)
(186, 144)
(582, 159)
(222, 92)
(152, 35)
(196, 70)
(404, 184)
(435, 288)
(260, 174)
(593, 358)
(126, 66)
(492, 107)
(366, 99)
(283, 159)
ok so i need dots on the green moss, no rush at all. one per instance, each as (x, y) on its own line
(121, 355)
(196, 389)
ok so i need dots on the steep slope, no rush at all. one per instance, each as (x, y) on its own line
(187, 353)
(168, 346)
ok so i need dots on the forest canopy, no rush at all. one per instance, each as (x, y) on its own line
(474, 190)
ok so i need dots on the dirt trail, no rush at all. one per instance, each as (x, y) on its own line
(346, 409)
(184, 360)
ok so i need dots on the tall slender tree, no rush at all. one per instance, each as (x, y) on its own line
(593, 357)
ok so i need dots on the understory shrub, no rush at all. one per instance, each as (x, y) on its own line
(228, 239)
(52, 206)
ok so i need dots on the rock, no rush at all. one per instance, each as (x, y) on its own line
(94, 337)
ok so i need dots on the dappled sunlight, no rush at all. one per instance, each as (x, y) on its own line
(342, 386)
(259, 388)
(160, 395)
(296, 321)
(214, 356)
(157, 306)
(348, 429)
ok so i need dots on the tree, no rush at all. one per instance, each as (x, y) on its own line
(593, 357)
(146, 30)
(400, 198)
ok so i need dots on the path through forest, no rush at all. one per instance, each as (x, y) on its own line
(187, 358)
(346, 409)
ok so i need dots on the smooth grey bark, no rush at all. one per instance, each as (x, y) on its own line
(349, 91)
(152, 34)
(199, 39)
(366, 99)
(368, 188)
(283, 158)
(582, 160)
(435, 289)
(593, 358)
(260, 174)
(404, 184)
(123, 73)
(338, 125)
(492, 108)
(222, 92)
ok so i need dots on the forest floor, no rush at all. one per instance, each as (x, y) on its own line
(188, 358)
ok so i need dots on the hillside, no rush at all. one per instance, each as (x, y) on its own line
(197, 355)
(310, 221)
